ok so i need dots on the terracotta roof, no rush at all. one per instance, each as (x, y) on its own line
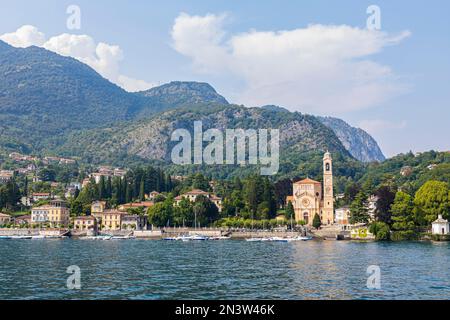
(84, 218)
(44, 207)
(4, 215)
(138, 204)
(290, 198)
(196, 191)
(111, 212)
(307, 181)
(25, 217)
(37, 194)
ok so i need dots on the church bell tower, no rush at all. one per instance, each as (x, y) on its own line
(328, 199)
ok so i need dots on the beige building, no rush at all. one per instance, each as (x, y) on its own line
(56, 214)
(4, 219)
(310, 198)
(84, 223)
(192, 196)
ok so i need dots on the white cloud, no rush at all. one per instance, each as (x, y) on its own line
(319, 69)
(24, 37)
(102, 57)
(377, 126)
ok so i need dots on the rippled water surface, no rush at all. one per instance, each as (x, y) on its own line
(140, 269)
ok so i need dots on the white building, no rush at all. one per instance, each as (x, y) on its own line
(440, 226)
(342, 215)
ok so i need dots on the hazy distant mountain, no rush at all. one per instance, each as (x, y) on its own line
(358, 142)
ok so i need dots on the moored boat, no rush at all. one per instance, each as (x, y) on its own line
(20, 237)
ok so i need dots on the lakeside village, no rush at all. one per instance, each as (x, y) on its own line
(55, 197)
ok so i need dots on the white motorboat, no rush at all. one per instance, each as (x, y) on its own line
(220, 238)
(122, 237)
(253, 239)
(194, 238)
(38, 237)
(96, 238)
(279, 239)
(20, 237)
(299, 238)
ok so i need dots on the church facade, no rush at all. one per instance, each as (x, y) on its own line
(310, 197)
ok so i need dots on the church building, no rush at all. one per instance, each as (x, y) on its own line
(310, 198)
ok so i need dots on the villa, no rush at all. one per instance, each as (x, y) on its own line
(110, 219)
(134, 222)
(192, 196)
(6, 175)
(84, 223)
(4, 218)
(56, 214)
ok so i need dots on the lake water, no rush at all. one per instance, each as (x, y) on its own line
(142, 269)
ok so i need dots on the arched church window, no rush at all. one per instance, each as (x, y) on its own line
(327, 166)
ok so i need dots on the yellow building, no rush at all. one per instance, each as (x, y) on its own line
(84, 223)
(98, 207)
(110, 219)
(310, 198)
(56, 214)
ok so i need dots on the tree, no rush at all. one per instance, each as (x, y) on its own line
(402, 216)
(205, 210)
(431, 200)
(290, 213)
(142, 190)
(383, 206)
(102, 188)
(183, 213)
(359, 210)
(316, 221)
(47, 174)
(76, 208)
(380, 230)
(351, 191)
(160, 213)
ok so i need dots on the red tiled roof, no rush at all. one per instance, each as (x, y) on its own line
(307, 181)
(84, 218)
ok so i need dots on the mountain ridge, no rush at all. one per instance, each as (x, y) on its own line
(45, 98)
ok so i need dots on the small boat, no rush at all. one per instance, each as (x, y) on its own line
(193, 238)
(20, 237)
(96, 238)
(38, 237)
(253, 239)
(170, 239)
(300, 238)
(103, 237)
(220, 238)
(279, 239)
(122, 237)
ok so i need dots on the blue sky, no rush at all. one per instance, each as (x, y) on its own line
(404, 103)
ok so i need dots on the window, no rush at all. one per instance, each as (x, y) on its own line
(327, 166)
